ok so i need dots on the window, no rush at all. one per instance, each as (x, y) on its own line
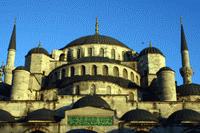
(93, 89)
(79, 53)
(83, 70)
(125, 74)
(132, 76)
(101, 52)
(94, 70)
(63, 73)
(90, 52)
(116, 71)
(105, 70)
(112, 54)
(62, 57)
(69, 55)
(72, 71)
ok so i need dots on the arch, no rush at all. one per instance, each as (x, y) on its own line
(93, 89)
(72, 71)
(132, 76)
(112, 54)
(79, 53)
(83, 71)
(90, 51)
(37, 130)
(69, 55)
(125, 73)
(62, 57)
(109, 92)
(63, 73)
(94, 70)
(116, 71)
(101, 52)
(105, 70)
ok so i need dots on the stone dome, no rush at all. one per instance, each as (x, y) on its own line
(188, 89)
(138, 115)
(184, 115)
(21, 68)
(150, 50)
(95, 39)
(91, 100)
(6, 116)
(38, 50)
(165, 69)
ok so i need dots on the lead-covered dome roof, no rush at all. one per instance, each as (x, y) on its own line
(150, 50)
(188, 89)
(138, 115)
(184, 115)
(6, 116)
(91, 100)
(95, 39)
(38, 50)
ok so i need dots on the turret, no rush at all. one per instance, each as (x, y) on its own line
(150, 60)
(20, 88)
(186, 70)
(9, 67)
(166, 84)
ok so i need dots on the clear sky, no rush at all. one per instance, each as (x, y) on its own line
(134, 22)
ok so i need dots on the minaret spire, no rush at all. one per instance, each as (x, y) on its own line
(12, 44)
(186, 70)
(97, 26)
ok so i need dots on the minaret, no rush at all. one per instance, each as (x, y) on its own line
(9, 67)
(186, 70)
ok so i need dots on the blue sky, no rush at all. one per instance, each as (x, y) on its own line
(57, 22)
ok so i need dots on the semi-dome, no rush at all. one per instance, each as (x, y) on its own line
(95, 39)
(150, 50)
(188, 89)
(6, 116)
(91, 100)
(138, 115)
(184, 115)
(21, 68)
(38, 50)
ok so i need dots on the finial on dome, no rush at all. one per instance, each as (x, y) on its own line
(15, 19)
(39, 45)
(97, 26)
(150, 44)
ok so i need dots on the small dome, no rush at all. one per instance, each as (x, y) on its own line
(6, 116)
(38, 50)
(165, 69)
(21, 68)
(95, 39)
(184, 115)
(94, 101)
(188, 89)
(42, 114)
(150, 50)
(138, 115)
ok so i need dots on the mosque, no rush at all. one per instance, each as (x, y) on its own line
(97, 84)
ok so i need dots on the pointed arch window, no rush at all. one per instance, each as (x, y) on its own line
(125, 74)
(101, 52)
(72, 71)
(83, 72)
(132, 76)
(62, 57)
(90, 51)
(94, 70)
(112, 54)
(79, 53)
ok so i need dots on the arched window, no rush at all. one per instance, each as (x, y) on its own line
(83, 72)
(63, 73)
(137, 79)
(132, 76)
(101, 52)
(69, 55)
(90, 52)
(93, 89)
(108, 90)
(62, 57)
(94, 70)
(116, 71)
(125, 74)
(112, 54)
(105, 70)
(72, 71)
(78, 53)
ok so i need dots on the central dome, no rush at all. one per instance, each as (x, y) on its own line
(95, 39)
